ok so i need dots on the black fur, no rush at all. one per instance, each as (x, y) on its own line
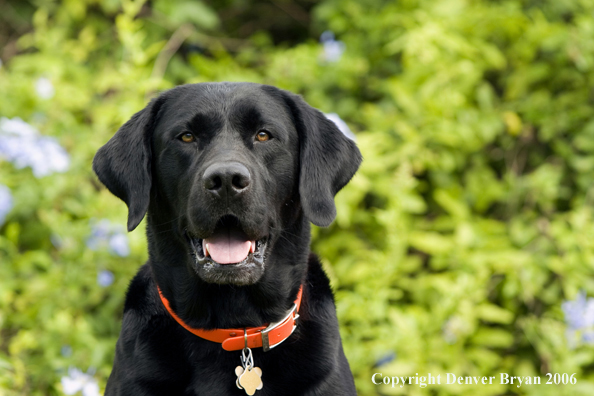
(287, 181)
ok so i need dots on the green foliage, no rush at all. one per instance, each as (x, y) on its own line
(468, 225)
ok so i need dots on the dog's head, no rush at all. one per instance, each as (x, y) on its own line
(227, 168)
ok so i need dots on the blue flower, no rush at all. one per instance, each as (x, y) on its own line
(342, 126)
(44, 88)
(66, 350)
(579, 316)
(332, 49)
(105, 278)
(105, 235)
(118, 244)
(588, 337)
(22, 145)
(5, 202)
(17, 127)
(77, 381)
(385, 359)
(99, 234)
(56, 240)
(455, 328)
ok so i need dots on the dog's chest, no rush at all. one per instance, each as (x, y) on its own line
(276, 375)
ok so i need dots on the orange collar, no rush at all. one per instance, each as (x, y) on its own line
(266, 337)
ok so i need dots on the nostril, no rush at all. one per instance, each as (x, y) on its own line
(240, 181)
(217, 183)
(213, 183)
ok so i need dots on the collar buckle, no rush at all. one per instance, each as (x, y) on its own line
(292, 315)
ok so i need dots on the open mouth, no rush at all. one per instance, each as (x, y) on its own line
(228, 245)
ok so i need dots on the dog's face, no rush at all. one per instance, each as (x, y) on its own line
(228, 164)
(226, 168)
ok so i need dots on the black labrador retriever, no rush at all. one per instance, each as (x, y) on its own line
(230, 301)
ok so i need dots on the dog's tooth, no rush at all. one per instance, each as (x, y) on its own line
(206, 254)
(253, 246)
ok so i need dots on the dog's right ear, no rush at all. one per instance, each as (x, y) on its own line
(123, 164)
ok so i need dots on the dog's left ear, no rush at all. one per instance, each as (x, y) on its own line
(328, 161)
(123, 164)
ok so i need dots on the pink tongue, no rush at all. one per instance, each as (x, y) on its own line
(228, 246)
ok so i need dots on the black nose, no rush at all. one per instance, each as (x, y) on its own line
(226, 179)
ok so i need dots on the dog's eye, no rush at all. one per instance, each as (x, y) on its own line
(262, 136)
(187, 137)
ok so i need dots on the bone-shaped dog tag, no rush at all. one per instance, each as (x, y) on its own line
(249, 380)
